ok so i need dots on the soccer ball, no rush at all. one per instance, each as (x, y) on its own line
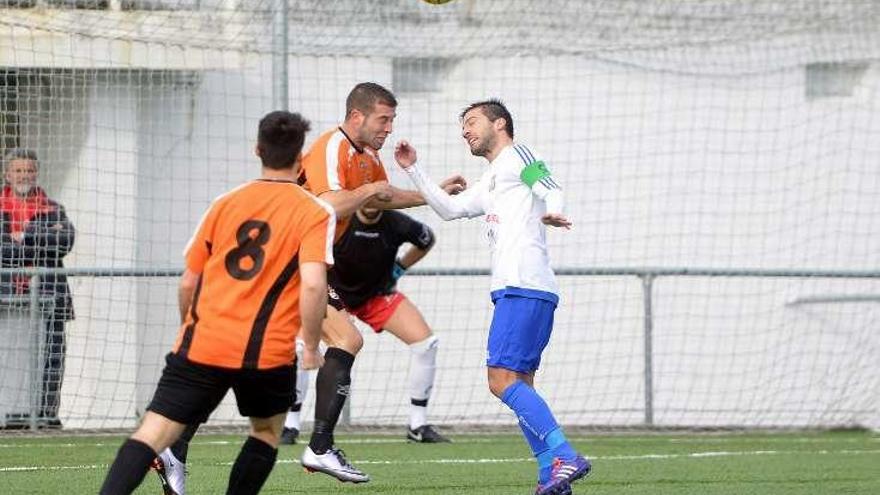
(436, 2)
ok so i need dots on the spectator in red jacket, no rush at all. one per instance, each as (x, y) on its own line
(35, 232)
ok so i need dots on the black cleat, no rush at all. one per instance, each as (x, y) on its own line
(289, 436)
(425, 434)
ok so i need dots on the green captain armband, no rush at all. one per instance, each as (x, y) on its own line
(534, 172)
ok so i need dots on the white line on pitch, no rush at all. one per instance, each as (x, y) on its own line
(693, 455)
(342, 441)
(468, 439)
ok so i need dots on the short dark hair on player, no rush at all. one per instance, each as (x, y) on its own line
(493, 109)
(280, 138)
(366, 95)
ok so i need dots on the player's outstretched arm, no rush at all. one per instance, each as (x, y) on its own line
(467, 204)
(454, 184)
(345, 202)
(312, 306)
(403, 198)
(398, 199)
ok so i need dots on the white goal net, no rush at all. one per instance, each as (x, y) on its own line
(721, 163)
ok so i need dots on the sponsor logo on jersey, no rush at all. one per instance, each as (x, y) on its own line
(492, 220)
(332, 293)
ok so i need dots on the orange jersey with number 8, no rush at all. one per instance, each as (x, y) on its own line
(248, 248)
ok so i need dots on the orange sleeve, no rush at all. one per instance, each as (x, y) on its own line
(319, 230)
(199, 247)
(321, 165)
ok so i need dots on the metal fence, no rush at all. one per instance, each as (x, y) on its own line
(29, 311)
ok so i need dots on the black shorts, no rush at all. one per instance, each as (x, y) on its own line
(189, 392)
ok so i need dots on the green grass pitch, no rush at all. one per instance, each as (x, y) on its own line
(681, 464)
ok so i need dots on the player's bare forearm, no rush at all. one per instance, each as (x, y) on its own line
(400, 198)
(345, 202)
(188, 283)
(312, 302)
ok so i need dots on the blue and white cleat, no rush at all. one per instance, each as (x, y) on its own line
(570, 470)
(554, 487)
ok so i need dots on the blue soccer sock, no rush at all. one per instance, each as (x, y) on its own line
(545, 466)
(559, 445)
(535, 417)
(541, 451)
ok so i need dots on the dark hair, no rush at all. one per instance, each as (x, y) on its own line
(493, 109)
(20, 154)
(280, 138)
(366, 95)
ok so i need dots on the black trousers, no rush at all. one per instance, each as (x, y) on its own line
(53, 369)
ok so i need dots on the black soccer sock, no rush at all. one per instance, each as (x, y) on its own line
(180, 448)
(252, 467)
(331, 391)
(128, 470)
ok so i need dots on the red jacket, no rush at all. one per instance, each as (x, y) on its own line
(46, 235)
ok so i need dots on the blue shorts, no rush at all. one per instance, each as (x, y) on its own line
(520, 330)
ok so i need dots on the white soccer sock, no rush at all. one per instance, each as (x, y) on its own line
(292, 420)
(418, 416)
(302, 387)
(422, 368)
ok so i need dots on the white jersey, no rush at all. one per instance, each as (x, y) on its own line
(513, 194)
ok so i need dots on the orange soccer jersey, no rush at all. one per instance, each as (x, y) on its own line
(248, 247)
(334, 163)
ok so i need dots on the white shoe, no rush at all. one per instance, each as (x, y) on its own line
(172, 473)
(332, 462)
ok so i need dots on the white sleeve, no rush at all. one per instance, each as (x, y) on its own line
(538, 178)
(468, 204)
(552, 196)
(534, 174)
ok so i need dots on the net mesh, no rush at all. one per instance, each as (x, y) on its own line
(706, 134)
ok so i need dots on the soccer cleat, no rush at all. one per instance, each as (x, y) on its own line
(425, 434)
(49, 423)
(334, 463)
(289, 436)
(554, 487)
(570, 470)
(158, 466)
(172, 473)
